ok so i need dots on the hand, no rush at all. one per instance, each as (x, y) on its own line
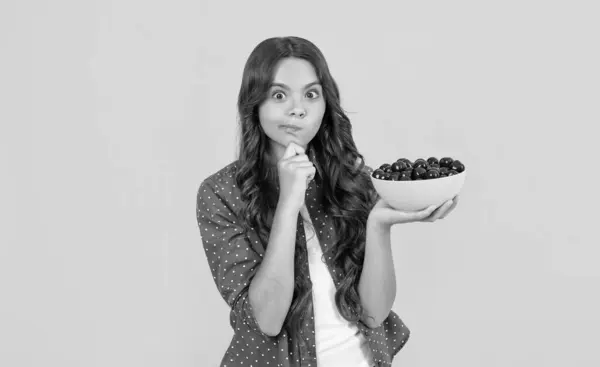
(295, 172)
(383, 214)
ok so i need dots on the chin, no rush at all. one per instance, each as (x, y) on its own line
(286, 139)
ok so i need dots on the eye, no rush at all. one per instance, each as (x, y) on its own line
(315, 94)
(279, 95)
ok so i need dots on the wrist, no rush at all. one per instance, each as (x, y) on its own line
(288, 207)
(373, 224)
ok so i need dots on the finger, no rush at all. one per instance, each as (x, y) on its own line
(455, 201)
(302, 164)
(450, 207)
(311, 175)
(308, 172)
(442, 210)
(299, 158)
(307, 169)
(291, 150)
(423, 214)
(429, 213)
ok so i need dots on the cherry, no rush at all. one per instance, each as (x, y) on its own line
(446, 162)
(419, 172)
(457, 166)
(432, 173)
(432, 160)
(405, 170)
(420, 163)
(386, 167)
(378, 174)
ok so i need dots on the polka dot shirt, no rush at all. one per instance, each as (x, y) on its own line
(234, 257)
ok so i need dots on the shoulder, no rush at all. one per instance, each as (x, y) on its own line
(224, 178)
(223, 175)
(220, 184)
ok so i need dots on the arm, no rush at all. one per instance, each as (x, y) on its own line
(272, 288)
(244, 278)
(377, 284)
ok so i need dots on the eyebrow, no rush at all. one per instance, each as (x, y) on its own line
(281, 85)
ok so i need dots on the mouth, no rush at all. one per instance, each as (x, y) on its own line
(290, 127)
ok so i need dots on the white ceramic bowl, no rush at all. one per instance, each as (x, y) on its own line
(418, 195)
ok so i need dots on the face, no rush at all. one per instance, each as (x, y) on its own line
(295, 98)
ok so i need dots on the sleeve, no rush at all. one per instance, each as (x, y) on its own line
(230, 257)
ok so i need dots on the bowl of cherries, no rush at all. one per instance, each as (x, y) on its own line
(414, 186)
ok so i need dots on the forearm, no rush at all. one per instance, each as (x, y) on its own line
(377, 284)
(272, 287)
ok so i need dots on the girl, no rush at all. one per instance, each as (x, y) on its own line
(297, 239)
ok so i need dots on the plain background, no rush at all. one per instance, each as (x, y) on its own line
(113, 112)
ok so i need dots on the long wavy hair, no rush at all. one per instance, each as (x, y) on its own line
(339, 165)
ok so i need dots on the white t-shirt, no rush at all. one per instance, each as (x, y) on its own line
(339, 342)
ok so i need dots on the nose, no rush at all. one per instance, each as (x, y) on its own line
(297, 109)
(297, 112)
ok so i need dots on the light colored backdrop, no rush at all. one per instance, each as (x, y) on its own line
(113, 112)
